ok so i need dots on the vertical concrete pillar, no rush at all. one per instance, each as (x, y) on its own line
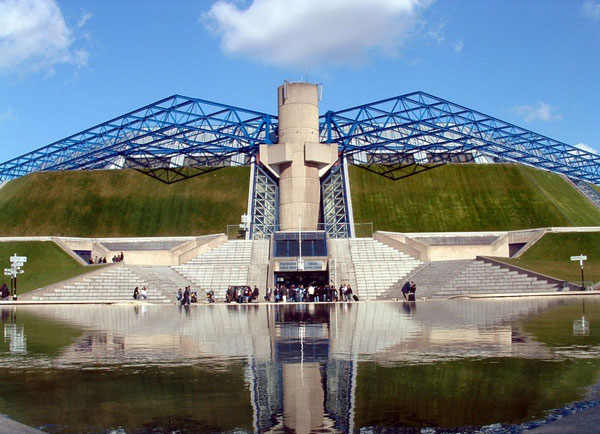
(298, 158)
(299, 185)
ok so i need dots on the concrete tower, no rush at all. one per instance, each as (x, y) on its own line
(299, 160)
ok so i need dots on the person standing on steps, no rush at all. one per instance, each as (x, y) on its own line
(406, 290)
(255, 294)
(412, 292)
(185, 301)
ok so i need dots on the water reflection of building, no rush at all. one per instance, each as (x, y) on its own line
(302, 388)
(13, 332)
(301, 360)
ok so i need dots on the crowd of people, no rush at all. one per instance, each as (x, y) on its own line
(312, 293)
(290, 294)
(241, 294)
(102, 260)
(187, 296)
(275, 294)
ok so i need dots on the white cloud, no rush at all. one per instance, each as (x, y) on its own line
(458, 46)
(537, 112)
(587, 148)
(35, 36)
(311, 32)
(591, 9)
(7, 115)
(84, 19)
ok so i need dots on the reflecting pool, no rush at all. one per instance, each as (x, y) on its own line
(343, 367)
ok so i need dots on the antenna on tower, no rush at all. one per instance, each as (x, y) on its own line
(320, 92)
(306, 74)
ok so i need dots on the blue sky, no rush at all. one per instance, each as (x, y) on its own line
(69, 65)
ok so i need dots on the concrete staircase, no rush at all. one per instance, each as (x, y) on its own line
(447, 278)
(378, 267)
(163, 279)
(227, 264)
(259, 264)
(114, 283)
(233, 263)
(339, 249)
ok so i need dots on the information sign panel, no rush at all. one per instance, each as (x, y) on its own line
(288, 266)
(313, 265)
(579, 258)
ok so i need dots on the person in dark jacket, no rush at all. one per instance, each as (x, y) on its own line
(412, 291)
(4, 292)
(255, 293)
(406, 290)
(186, 296)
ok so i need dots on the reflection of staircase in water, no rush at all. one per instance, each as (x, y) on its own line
(164, 336)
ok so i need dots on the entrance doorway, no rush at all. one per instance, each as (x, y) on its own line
(297, 278)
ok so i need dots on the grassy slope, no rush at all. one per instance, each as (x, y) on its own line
(46, 263)
(551, 256)
(467, 198)
(122, 203)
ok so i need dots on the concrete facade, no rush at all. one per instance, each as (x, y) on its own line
(298, 159)
(447, 246)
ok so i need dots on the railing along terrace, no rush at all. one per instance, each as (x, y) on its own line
(337, 230)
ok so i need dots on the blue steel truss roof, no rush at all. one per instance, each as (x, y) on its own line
(167, 129)
(182, 131)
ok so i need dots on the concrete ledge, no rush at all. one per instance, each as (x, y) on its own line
(75, 302)
(524, 294)
(9, 426)
(411, 247)
(264, 303)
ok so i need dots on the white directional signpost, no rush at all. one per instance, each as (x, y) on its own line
(16, 262)
(580, 258)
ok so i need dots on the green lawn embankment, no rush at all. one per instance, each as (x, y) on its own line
(551, 256)
(469, 197)
(46, 263)
(122, 203)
